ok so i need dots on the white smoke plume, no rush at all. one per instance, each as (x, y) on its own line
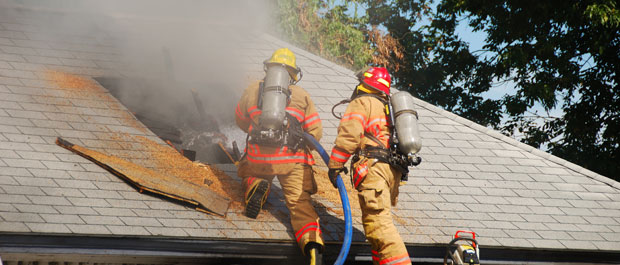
(174, 45)
(202, 38)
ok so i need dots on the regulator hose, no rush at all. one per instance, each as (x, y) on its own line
(348, 229)
(346, 101)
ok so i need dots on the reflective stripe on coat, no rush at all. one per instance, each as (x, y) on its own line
(363, 114)
(266, 160)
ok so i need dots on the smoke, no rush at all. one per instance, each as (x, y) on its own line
(204, 39)
(167, 46)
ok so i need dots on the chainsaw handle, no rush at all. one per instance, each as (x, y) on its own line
(449, 254)
(475, 242)
(473, 234)
(465, 232)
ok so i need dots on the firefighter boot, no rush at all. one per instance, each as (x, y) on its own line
(314, 253)
(255, 196)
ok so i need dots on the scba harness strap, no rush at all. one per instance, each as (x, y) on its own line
(295, 136)
(390, 155)
(385, 155)
(290, 135)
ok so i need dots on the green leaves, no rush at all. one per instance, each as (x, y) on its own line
(548, 49)
(550, 53)
(604, 13)
(324, 28)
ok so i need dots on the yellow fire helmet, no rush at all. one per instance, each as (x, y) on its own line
(286, 57)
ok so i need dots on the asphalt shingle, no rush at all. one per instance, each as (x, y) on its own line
(471, 176)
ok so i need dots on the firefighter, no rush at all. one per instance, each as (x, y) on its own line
(275, 113)
(364, 133)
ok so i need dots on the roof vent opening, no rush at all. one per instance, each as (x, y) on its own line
(199, 125)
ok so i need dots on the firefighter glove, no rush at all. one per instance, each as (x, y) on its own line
(334, 172)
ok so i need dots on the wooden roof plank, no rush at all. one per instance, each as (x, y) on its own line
(152, 181)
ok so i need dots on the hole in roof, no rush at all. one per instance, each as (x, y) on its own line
(194, 122)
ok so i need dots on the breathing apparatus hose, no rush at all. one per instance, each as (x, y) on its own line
(348, 229)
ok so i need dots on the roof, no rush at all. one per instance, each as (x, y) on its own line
(471, 177)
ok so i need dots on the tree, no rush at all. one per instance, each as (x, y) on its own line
(555, 53)
(324, 27)
(325, 30)
(437, 66)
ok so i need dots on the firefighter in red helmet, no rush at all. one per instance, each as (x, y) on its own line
(364, 133)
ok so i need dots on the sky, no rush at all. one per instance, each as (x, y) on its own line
(476, 41)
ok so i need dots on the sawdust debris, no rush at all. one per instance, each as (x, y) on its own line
(75, 86)
(170, 162)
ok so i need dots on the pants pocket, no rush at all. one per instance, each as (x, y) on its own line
(371, 200)
(310, 187)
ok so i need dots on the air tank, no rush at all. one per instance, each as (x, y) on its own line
(274, 98)
(406, 123)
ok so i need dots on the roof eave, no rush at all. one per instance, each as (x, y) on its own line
(189, 251)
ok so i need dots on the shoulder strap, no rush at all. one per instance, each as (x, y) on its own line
(261, 86)
(370, 136)
(374, 139)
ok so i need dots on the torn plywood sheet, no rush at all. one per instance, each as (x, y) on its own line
(149, 180)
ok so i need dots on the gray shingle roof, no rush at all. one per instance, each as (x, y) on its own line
(472, 177)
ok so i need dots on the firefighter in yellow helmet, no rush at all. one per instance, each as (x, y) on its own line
(364, 133)
(275, 113)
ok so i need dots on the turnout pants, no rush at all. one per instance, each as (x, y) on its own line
(297, 188)
(378, 191)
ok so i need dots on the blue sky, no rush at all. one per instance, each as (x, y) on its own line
(476, 40)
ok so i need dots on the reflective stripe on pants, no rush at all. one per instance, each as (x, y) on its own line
(377, 193)
(297, 188)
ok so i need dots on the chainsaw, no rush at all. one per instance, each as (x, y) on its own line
(462, 250)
